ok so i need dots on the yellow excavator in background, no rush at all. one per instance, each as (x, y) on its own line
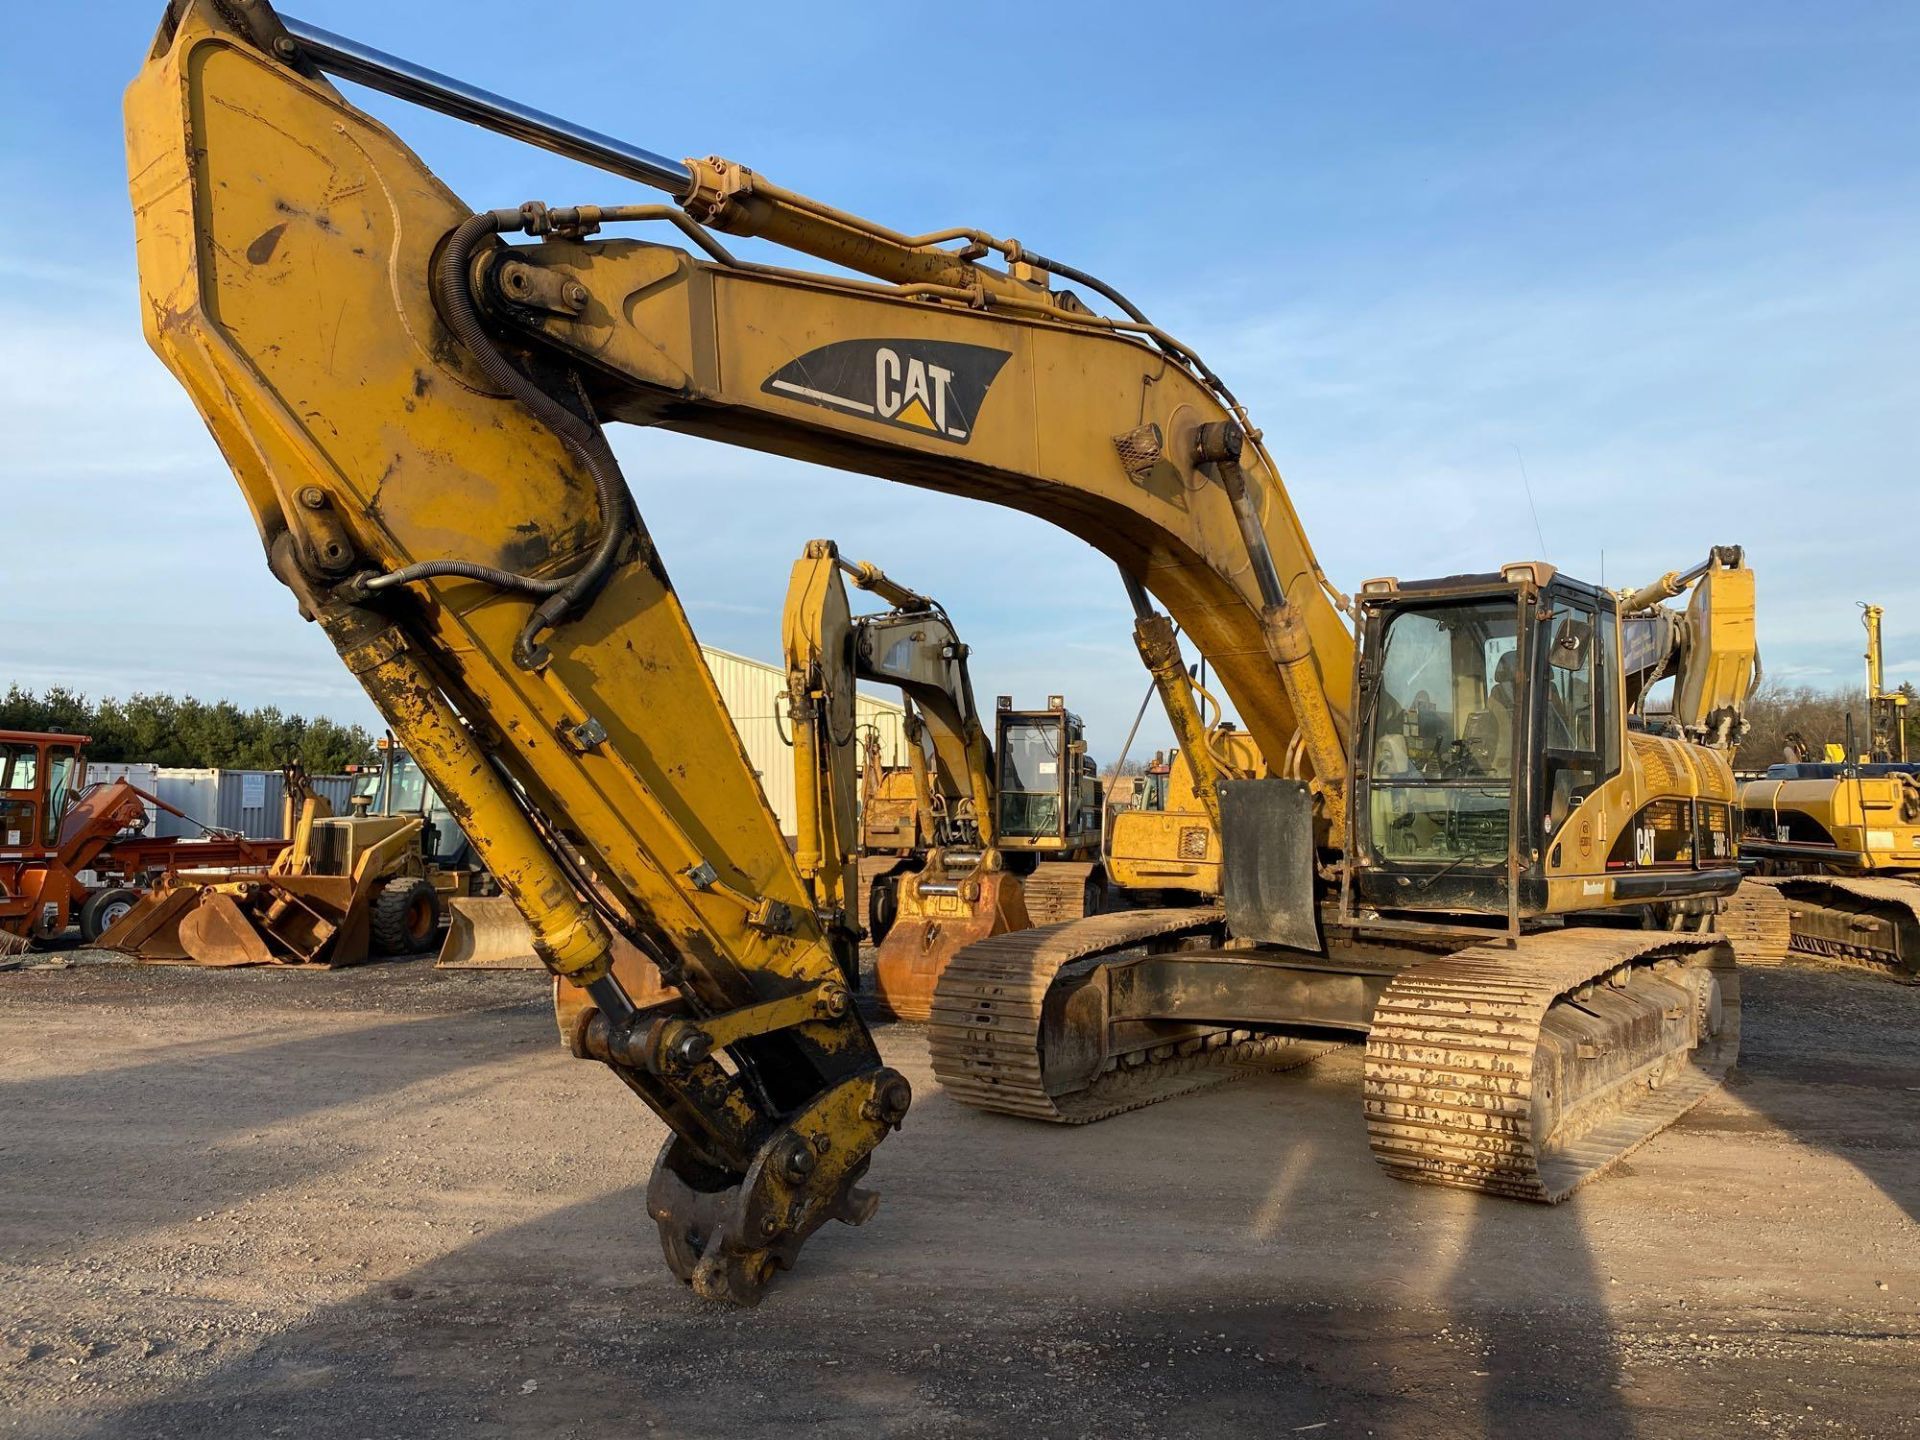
(958, 889)
(1004, 823)
(1478, 864)
(1838, 841)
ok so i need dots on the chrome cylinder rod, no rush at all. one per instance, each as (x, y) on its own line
(389, 74)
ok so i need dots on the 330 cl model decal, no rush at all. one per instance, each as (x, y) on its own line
(935, 387)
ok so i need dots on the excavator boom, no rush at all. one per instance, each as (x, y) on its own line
(400, 466)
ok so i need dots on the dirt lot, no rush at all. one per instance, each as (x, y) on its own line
(384, 1203)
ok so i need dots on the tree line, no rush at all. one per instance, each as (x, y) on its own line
(172, 730)
(1778, 713)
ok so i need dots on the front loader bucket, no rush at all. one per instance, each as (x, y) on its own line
(931, 929)
(247, 919)
(218, 932)
(151, 929)
(486, 933)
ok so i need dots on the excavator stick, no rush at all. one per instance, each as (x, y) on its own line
(937, 919)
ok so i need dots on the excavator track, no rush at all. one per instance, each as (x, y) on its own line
(1528, 1071)
(1056, 891)
(1758, 922)
(985, 1032)
(1867, 920)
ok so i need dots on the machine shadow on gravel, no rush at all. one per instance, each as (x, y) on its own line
(1825, 1027)
(231, 1091)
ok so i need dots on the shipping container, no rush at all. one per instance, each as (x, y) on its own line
(249, 801)
(755, 694)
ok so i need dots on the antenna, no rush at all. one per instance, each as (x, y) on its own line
(1527, 485)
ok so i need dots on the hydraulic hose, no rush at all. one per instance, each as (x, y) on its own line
(582, 437)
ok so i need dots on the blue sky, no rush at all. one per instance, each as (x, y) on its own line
(1662, 257)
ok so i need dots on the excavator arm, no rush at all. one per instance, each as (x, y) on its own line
(912, 647)
(961, 893)
(1709, 649)
(413, 412)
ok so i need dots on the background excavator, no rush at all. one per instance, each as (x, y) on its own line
(958, 886)
(1476, 863)
(1838, 841)
(1164, 848)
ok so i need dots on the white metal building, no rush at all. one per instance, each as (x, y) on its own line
(755, 694)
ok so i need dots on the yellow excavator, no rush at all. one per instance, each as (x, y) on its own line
(1479, 865)
(1000, 830)
(957, 890)
(1838, 841)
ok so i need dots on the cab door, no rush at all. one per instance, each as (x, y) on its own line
(20, 800)
(1577, 713)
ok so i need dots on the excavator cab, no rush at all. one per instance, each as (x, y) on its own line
(1495, 769)
(396, 787)
(1049, 787)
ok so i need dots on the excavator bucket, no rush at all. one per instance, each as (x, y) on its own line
(486, 933)
(932, 926)
(216, 932)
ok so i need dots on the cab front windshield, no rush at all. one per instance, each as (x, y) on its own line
(1441, 763)
(409, 788)
(1031, 753)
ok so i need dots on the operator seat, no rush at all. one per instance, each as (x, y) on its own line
(1489, 730)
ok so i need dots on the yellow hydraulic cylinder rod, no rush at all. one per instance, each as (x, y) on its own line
(1665, 588)
(868, 576)
(716, 192)
(567, 935)
(1159, 648)
(1283, 631)
(806, 763)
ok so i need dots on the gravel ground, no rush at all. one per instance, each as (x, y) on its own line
(383, 1202)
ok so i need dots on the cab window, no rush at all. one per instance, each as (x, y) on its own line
(63, 771)
(1444, 723)
(22, 766)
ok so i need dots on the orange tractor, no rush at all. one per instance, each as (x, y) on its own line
(74, 853)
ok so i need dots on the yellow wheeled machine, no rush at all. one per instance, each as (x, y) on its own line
(1476, 863)
(1164, 850)
(349, 888)
(1837, 843)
